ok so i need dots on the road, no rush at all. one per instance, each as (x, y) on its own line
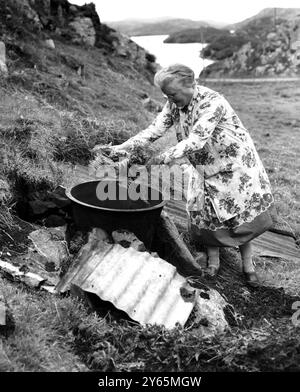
(248, 80)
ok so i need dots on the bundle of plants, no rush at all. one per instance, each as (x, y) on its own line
(138, 155)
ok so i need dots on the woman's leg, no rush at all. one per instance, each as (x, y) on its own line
(213, 261)
(246, 253)
(213, 256)
(248, 266)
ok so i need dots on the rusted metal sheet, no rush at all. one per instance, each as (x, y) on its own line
(268, 244)
(147, 288)
(276, 245)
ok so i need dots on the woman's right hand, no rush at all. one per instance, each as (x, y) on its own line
(119, 150)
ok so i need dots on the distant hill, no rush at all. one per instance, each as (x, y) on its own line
(157, 26)
(282, 13)
(203, 34)
(226, 44)
(209, 34)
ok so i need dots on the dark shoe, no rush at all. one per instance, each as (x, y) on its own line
(252, 279)
(212, 271)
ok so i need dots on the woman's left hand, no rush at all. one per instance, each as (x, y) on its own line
(159, 159)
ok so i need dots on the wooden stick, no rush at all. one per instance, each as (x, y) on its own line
(170, 246)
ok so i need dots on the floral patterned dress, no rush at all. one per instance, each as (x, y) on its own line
(228, 184)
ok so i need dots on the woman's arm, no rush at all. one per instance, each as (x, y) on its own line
(206, 121)
(162, 122)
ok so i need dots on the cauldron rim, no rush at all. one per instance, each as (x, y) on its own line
(73, 199)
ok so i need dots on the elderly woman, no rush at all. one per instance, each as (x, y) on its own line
(229, 195)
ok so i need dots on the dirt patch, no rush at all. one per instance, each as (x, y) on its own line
(253, 306)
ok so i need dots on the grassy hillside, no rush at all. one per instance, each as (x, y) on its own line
(56, 104)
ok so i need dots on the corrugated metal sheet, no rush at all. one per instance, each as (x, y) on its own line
(268, 244)
(146, 288)
(276, 245)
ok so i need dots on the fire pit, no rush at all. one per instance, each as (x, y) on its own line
(118, 210)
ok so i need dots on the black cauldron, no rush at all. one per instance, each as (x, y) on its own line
(111, 205)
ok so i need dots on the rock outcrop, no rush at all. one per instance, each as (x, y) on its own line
(49, 43)
(60, 20)
(272, 52)
(84, 31)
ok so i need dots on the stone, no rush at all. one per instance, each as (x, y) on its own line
(8, 269)
(279, 68)
(49, 247)
(123, 46)
(39, 265)
(83, 31)
(209, 313)
(259, 71)
(120, 43)
(39, 207)
(59, 198)
(3, 66)
(49, 289)
(49, 43)
(73, 8)
(32, 280)
(127, 239)
(272, 36)
(270, 71)
(30, 14)
(80, 71)
(58, 232)
(188, 293)
(98, 234)
(54, 220)
(243, 55)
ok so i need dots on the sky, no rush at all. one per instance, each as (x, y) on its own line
(229, 11)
